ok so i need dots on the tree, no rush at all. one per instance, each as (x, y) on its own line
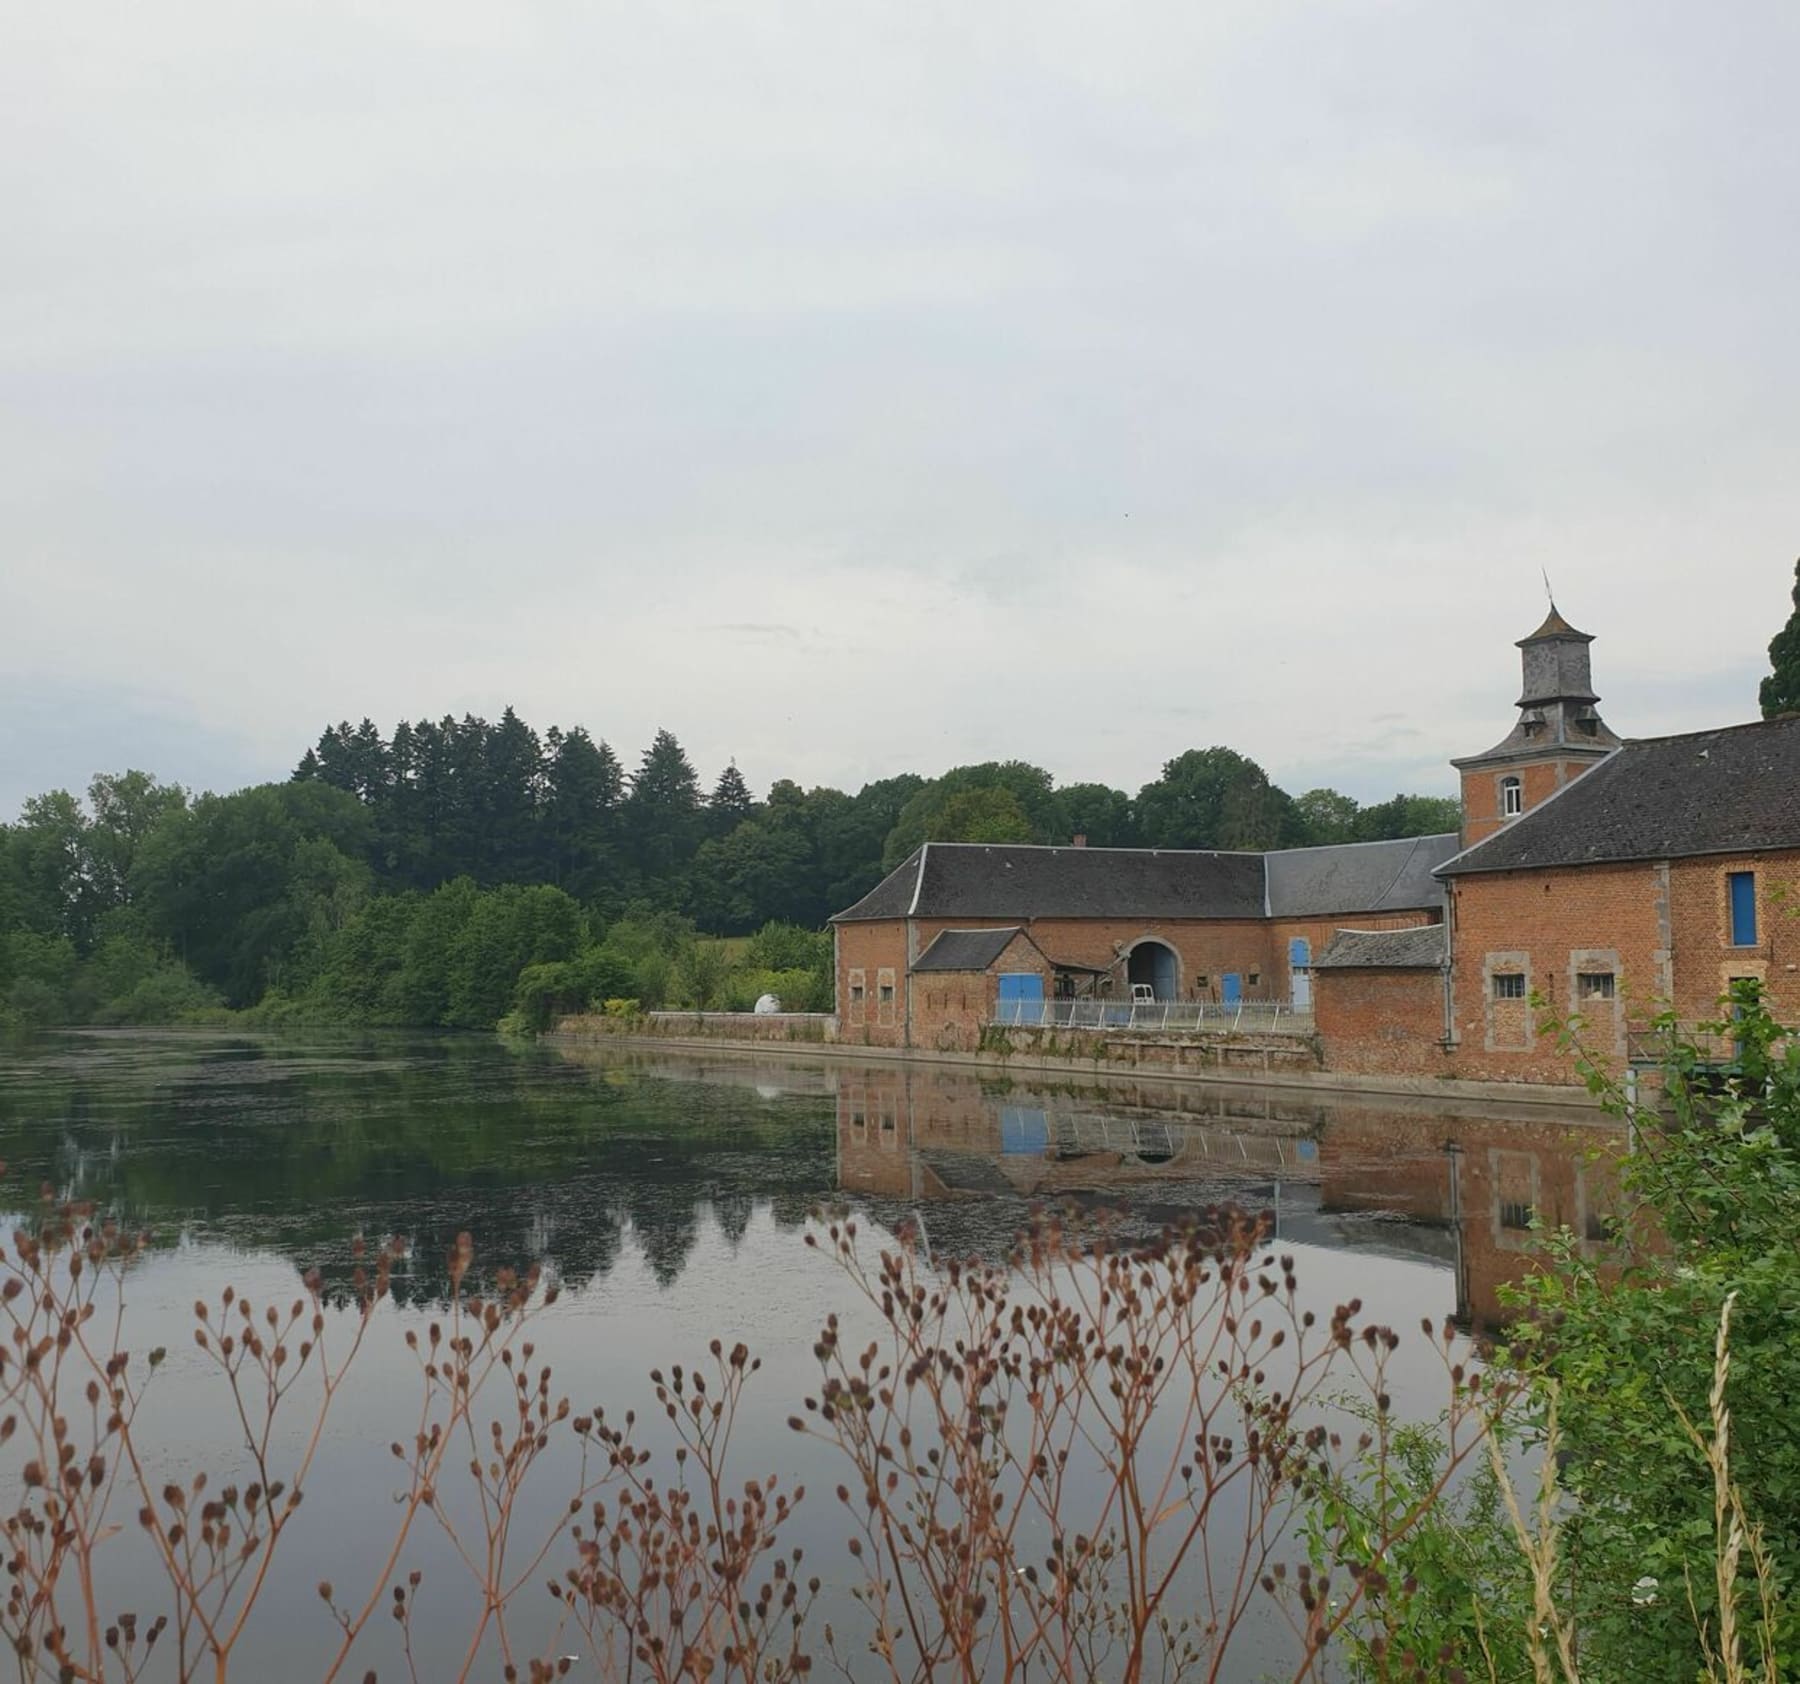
(1097, 811)
(1033, 795)
(1215, 798)
(731, 803)
(1780, 691)
(514, 767)
(980, 815)
(229, 883)
(1408, 815)
(583, 787)
(663, 809)
(1326, 816)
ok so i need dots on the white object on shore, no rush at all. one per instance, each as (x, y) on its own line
(767, 1005)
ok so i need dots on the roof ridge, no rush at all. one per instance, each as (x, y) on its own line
(1712, 731)
(1111, 848)
(1364, 842)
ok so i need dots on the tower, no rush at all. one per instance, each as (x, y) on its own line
(1559, 733)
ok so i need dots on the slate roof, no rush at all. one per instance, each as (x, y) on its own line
(1358, 877)
(1423, 949)
(1730, 791)
(1009, 880)
(966, 950)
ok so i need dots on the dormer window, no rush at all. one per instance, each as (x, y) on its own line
(1512, 798)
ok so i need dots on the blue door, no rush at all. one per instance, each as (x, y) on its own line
(1021, 997)
(1231, 988)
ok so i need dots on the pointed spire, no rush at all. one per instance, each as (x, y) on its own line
(1554, 626)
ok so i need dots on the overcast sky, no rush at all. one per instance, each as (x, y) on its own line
(854, 388)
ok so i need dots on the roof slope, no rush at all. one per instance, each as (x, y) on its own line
(1421, 949)
(1735, 790)
(981, 880)
(966, 950)
(1358, 877)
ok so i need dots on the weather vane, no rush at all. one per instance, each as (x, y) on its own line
(1547, 590)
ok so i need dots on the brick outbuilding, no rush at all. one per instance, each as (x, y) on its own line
(1183, 925)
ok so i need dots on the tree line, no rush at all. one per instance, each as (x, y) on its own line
(442, 873)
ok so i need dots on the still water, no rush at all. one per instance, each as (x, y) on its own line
(668, 1194)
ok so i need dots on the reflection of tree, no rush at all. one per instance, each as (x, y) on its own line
(298, 1148)
(733, 1210)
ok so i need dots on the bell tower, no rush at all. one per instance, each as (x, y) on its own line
(1559, 733)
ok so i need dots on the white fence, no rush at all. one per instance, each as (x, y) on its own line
(1249, 1016)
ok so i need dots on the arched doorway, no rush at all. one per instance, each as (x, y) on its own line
(1154, 963)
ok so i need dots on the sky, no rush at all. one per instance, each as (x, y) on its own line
(858, 387)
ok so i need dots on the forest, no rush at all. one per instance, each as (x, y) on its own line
(464, 873)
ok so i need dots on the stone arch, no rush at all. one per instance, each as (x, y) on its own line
(1153, 961)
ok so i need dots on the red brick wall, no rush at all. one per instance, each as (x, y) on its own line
(1705, 959)
(875, 950)
(1381, 1023)
(1552, 926)
(950, 1008)
(1481, 791)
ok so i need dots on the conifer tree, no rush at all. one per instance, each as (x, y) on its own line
(1781, 689)
(731, 803)
(664, 806)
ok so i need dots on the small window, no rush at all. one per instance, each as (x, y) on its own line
(1512, 798)
(1509, 985)
(1516, 1215)
(1588, 726)
(1203, 980)
(1741, 886)
(1255, 978)
(887, 993)
(1596, 985)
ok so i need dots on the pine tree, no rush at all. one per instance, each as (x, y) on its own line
(1781, 689)
(583, 789)
(731, 803)
(664, 807)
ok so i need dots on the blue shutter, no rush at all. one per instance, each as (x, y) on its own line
(1231, 988)
(1299, 951)
(1743, 908)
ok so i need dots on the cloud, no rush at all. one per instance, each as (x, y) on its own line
(852, 388)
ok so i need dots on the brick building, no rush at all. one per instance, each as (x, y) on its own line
(1594, 877)
(1605, 880)
(961, 930)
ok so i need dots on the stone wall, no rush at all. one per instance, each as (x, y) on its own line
(814, 1027)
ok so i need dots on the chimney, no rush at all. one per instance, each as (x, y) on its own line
(1078, 841)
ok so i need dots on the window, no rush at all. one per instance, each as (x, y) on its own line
(1515, 1214)
(856, 996)
(884, 996)
(1255, 978)
(1509, 985)
(1512, 798)
(887, 993)
(1596, 985)
(1741, 890)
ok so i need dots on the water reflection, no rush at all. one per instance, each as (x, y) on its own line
(665, 1190)
(1461, 1187)
(570, 1156)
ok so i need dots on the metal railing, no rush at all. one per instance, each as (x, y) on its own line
(1248, 1016)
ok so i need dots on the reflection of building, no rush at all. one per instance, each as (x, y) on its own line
(1490, 1180)
(1349, 1174)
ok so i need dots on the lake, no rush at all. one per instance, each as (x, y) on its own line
(668, 1194)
